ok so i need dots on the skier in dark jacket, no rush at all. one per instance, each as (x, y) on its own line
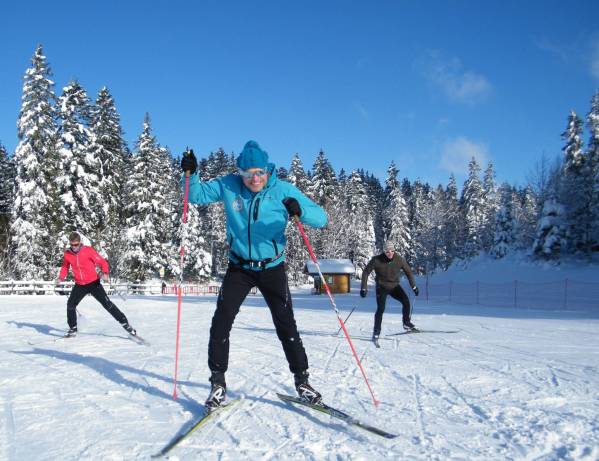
(257, 208)
(83, 261)
(387, 267)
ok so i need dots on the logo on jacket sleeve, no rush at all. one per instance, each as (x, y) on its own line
(237, 203)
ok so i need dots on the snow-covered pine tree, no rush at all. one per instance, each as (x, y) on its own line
(296, 253)
(297, 174)
(490, 208)
(80, 201)
(7, 185)
(422, 223)
(505, 226)
(472, 208)
(551, 231)
(453, 224)
(149, 211)
(109, 147)
(282, 173)
(324, 190)
(526, 219)
(213, 216)
(30, 223)
(396, 222)
(361, 237)
(198, 261)
(577, 188)
(376, 197)
(593, 156)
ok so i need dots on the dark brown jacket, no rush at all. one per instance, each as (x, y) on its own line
(386, 271)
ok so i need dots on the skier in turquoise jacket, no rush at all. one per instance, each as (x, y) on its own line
(257, 208)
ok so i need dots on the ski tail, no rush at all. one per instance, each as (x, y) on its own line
(201, 421)
(335, 413)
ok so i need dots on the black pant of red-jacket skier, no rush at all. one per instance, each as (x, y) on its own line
(97, 291)
(273, 285)
(381, 298)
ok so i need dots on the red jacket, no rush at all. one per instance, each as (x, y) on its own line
(83, 264)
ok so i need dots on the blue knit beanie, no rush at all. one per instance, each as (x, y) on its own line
(252, 156)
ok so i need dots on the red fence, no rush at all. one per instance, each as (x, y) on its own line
(562, 295)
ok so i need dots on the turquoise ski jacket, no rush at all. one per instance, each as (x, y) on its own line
(256, 222)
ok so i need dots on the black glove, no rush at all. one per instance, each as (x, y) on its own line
(415, 289)
(293, 207)
(363, 292)
(189, 162)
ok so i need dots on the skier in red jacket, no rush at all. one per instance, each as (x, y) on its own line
(83, 261)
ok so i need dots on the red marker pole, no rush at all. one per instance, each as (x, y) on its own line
(334, 306)
(180, 287)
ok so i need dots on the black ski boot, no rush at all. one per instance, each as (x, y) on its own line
(129, 329)
(305, 391)
(218, 392)
(409, 326)
(375, 340)
(71, 333)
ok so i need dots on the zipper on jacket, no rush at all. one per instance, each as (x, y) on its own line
(249, 229)
(256, 209)
(79, 265)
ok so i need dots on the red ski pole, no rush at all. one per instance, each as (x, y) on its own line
(180, 287)
(334, 306)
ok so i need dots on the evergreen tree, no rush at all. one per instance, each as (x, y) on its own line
(472, 207)
(526, 217)
(361, 235)
(198, 261)
(149, 211)
(296, 253)
(109, 147)
(577, 188)
(297, 175)
(453, 225)
(395, 220)
(282, 173)
(550, 231)
(422, 221)
(30, 227)
(376, 198)
(593, 156)
(7, 184)
(213, 216)
(490, 208)
(505, 228)
(81, 203)
(324, 190)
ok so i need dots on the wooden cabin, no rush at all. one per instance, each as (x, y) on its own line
(337, 273)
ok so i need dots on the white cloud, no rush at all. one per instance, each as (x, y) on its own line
(457, 153)
(458, 84)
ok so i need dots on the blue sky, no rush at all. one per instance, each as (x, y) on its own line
(426, 84)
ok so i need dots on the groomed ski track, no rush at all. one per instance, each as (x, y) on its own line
(511, 384)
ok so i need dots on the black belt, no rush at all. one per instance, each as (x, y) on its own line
(253, 264)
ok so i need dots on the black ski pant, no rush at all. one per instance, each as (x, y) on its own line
(97, 291)
(381, 299)
(273, 285)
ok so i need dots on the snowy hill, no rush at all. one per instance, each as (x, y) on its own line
(517, 266)
(506, 385)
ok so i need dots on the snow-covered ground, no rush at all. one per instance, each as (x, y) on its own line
(509, 384)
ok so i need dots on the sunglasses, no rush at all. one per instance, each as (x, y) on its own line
(74, 244)
(251, 174)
